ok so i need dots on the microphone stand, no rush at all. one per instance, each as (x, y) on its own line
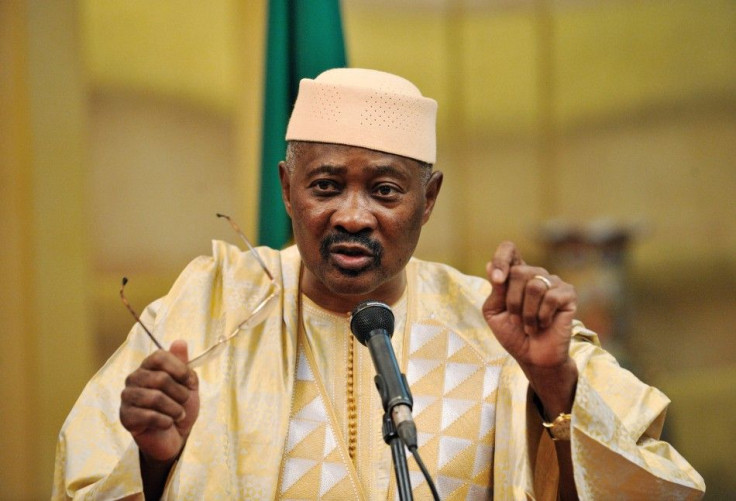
(391, 437)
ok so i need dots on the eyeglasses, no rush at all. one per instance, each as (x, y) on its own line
(256, 316)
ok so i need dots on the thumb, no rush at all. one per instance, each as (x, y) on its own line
(179, 349)
(496, 301)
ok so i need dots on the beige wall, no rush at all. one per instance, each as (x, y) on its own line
(126, 125)
(47, 340)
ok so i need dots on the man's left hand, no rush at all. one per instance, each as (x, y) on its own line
(531, 313)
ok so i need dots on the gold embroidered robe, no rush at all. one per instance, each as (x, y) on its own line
(239, 447)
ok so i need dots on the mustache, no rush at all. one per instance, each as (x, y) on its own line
(360, 238)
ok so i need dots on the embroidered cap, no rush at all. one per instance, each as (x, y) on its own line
(367, 108)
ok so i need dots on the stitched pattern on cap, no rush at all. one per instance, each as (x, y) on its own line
(389, 110)
(328, 104)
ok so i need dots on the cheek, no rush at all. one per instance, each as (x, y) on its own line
(404, 236)
(308, 220)
(415, 221)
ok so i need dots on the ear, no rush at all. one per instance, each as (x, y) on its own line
(431, 191)
(285, 178)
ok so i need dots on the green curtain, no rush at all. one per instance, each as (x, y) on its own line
(304, 38)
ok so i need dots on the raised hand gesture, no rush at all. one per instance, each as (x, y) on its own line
(531, 313)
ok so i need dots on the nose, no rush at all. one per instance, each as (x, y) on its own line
(353, 214)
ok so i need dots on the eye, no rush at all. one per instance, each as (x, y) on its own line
(324, 186)
(387, 191)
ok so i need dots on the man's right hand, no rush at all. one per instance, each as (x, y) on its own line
(160, 403)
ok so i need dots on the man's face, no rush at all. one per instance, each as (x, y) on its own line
(357, 215)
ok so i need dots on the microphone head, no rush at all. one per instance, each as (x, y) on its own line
(369, 316)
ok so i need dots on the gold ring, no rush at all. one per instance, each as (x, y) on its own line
(543, 279)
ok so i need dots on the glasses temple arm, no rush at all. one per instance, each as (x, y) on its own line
(247, 242)
(135, 315)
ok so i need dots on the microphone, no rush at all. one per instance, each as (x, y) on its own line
(372, 323)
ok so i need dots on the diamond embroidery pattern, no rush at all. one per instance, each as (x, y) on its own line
(454, 392)
(302, 476)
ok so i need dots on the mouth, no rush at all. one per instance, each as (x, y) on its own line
(351, 257)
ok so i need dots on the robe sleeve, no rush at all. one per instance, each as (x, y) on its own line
(616, 425)
(615, 429)
(96, 458)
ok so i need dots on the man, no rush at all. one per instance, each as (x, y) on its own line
(286, 407)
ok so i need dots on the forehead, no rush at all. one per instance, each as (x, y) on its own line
(313, 156)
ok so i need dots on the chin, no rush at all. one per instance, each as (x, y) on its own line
(352, 283)
(350, 287)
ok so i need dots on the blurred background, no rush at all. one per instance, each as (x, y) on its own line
(600, 136)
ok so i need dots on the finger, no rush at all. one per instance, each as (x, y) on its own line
(180, 350)
(516, 287)
(154, 400)
(173, 362)
(519, 278)
(168, 362)
(496, 302)
(536, 293)
(158, 380)
(506, 256)
(138, 420)
(561, 298)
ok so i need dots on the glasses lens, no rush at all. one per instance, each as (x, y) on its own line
(261, 312)
(258, 315)
(208, 354)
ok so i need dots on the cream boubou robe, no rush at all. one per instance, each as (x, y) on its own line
(288, 412)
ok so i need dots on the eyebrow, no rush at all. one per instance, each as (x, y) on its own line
(390, 170)
(377, 170)
(329, 169)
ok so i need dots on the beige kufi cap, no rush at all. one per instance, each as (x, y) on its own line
(365, 108)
